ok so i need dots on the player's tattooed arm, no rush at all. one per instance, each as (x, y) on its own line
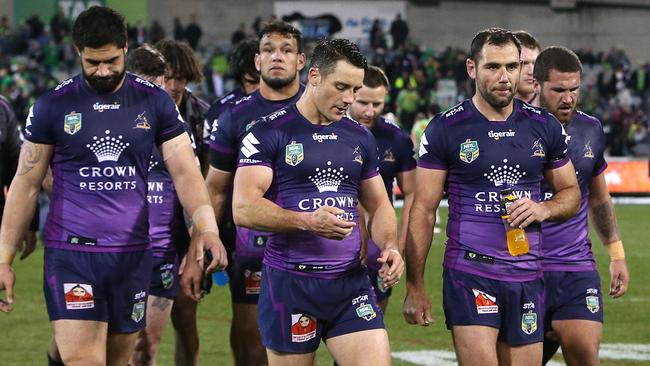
(601, 210)
(30, 155)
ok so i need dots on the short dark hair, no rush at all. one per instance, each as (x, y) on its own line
(99, 26)
(375, 78)
(527, 40)
(556, 58)
(493, 36)
(146, 61)
(180, 60)
(329, 51)
(242, 60)
(283, 28)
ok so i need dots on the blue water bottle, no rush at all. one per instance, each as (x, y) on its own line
(220, 278)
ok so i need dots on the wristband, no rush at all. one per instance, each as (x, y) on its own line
(204, 220)
(616, 250)
(6, 255)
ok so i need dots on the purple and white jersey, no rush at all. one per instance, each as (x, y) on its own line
(102, 148)
(228, 129)
(481, 158)
(566, 246)
(313, 166)
(395, 152)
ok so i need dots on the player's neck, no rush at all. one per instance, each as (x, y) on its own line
(308, 109)
(489, 112)
(283, 93)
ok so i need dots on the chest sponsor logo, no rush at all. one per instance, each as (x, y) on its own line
(328, 179)
(152, 163)
(485, 303)
(71, 123)
(78, 296)
(469, 151)
(294, 153)
(303, 328)
(320, 138)
(107, 148)
(588, 152)
(141, 122)
(389, 156)
(538, 149)
(103, 107)
(252, 282)
(499, 135)
(488, 201)
(507, 174)
(529, 322)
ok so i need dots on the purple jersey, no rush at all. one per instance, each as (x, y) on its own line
(102, 149)
(481, 158)
(395, 150)
(228, 129)
(313, 166)
(566, 245)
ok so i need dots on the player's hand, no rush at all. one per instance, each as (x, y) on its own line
(525, 211)
(191, 277)
(619, 278)
(28, 244)
(7, 280)
(327, 222)
(392, 266)
(417, 308)
(210, 241)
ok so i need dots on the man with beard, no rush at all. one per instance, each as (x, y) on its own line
(573, 296)
(302, 172)
(396, 162)
(279, 60)
(530, 48)
(492, 299)
(97, 131)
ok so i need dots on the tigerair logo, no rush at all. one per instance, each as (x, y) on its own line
(504, 174)
(320, 138)
(499, 135)
(107, 148)
(328, 179)
(102, 107)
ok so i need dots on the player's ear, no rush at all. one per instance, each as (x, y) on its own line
(470, 65)
(258, 63)
(301, 61)
(314, 76)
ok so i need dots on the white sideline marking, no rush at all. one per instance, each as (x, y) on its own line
(609, 351)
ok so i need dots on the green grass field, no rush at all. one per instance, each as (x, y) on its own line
(24, 334)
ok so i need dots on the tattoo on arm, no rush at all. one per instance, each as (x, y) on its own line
(161, 303)
(30, 155)
(605, 221)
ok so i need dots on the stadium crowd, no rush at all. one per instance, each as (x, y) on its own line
(35, 56)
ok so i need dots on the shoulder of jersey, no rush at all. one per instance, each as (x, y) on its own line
(243, 102)
(582, 116)
(535, 113)
(274, 119)
(64, 87)
(230, 97)
(458, 113)
(356, 125)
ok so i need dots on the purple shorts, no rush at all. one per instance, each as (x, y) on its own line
(105, 287)
(573, 295)
(515, 308)
(164, 278)
(245, 279)
(295, 312)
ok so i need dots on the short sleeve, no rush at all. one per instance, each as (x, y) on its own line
(405, 159)
(171, 122)
(370, 167)
(259, 146)
(38, 127)
(223, 140)
(557, 154)
(432, 152)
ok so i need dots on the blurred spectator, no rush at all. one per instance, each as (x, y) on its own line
(238, 35)
(399, 30)
(179, 30)
(59, 26)
(156, 32)
(193, 33)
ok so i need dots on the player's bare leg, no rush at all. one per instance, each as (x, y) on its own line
(475, 345)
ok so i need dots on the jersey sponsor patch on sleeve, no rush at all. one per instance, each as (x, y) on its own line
(248, 145)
